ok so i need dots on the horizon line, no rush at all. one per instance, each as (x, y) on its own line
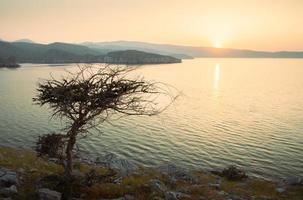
(152, 43)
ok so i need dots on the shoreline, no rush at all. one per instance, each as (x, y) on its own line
(121, 179)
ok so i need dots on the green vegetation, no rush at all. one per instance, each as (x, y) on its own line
(25, 52)
(33, 169)
(86, 99)
(9, 62)
(137, 57)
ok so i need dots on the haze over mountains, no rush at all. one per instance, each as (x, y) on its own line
(191, 51)
(127, 52)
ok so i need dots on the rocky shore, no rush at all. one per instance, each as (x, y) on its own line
(25, 176)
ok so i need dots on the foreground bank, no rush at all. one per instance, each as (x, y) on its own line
(25, 176)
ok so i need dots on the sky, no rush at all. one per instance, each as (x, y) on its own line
(246, 24)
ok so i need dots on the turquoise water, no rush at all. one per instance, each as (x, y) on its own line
(247, 112)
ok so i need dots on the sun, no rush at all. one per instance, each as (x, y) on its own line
(217, 44)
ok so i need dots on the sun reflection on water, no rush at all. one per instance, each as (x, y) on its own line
(216, 76)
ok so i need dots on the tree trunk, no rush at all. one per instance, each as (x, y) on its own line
(69, 156)
(69, 151)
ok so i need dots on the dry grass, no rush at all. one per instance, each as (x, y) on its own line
(20, 159)
(137, 185)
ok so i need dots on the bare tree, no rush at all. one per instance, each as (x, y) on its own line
(90, 96)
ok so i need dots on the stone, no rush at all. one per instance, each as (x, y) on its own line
(217, 172)
(234, 173)
(13, 189)
(7, 177)
(171, 195)
(84, 158)
(54, 160)
(216, 186)
(281, 190)
(129, 197)
(21, 171)
(118, 180)
(177, 173)
(293, 181)
(222, 193)
(121, 165)
(157, 186)
(235, 197)
(47, 194)
(9, 191)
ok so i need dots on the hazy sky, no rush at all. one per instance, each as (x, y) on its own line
(252, 24)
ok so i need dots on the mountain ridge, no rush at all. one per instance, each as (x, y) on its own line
(193, 51)
(128, 52)
(58, 52)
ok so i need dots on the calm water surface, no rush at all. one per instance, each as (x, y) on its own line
(247, 112)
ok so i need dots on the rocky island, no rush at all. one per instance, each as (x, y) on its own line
(10, 62)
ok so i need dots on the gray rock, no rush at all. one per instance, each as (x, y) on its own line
(235, 197)
(234, 173)
(118, 180)
(21, 171)
(177, 173)
(8, 177)
(216, 171)
(280, 190)
(83, 158)
(13, 189)
(47, 194)
(170, 195)
(222, 193)
(121, 165)
(129, 197)
(9, 191)
(217, 186)
(294, 181)
(54, 160)
(157, 186)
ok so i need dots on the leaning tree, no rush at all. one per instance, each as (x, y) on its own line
(90, 96)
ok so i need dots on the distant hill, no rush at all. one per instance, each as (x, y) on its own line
(123, 52)
(181, 56)
(191, 51)
(25, 40)
(24, 52)
(137, 57)
(128, 45)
